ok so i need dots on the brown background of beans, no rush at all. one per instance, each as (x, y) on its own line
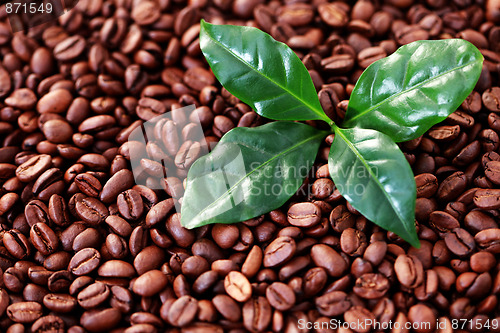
(83, 248)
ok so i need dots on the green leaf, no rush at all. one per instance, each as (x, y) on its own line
(250, 172)
(260, 71)
(372, 174)
(416, 87)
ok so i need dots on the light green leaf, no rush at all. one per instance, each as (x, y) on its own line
(250, 172)
(416, 87)
(260, 71)
(372, 174)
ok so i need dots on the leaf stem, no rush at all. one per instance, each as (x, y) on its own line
(332, 125)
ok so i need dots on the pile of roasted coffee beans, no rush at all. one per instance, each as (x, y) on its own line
(83, 248)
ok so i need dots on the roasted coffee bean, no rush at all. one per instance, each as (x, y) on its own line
(91, 210)
(256, 314)
(353, 242)
(150, 283)
(487, 198)
(116, 269)
(24, 312)
(491, 99)
(280, 296)
(429, 287)
(489, 240)
(84, 261)
(304, 214)
(183, 311)
(334, 15)
(226, 306)
(359, 314)
(409, 271)
(279, 251)
(237, 286)
(326, 257)
(43, 238)
(88, 184)
(333, 303)
(452, 186)
(33, 167)
(59, 303)
(100, 320)
(16, 244)
(130, 204)
(371, 286)
(93, 295)
(460, 242)
(482, 261)
(427, 185)
(443, 221)
(50, 323)
(69, 48)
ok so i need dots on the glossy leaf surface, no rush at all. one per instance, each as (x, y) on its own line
(416, 87)
(372, 174)
(260, 71)
(250, 172)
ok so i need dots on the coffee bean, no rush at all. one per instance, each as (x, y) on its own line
(17, 244)
(409, 271)
(371, 286)
(43, 238)
(149, 258)
(100, 320)
(33, 167)
(333, 303)
(489, 240)
(24, 99)
(93, 295)
(353, 242)
(279, 251)
(60, 303)
(280, 296)
(257, 314)
(91, 210)
(24, 312)
(452, 186)
(326, 257)
(119, 182)
(116, 268)
(226, 306)
(222, 125)
(48, 323)
(183, 311)
(491, 99)
(420, 313)
(358, 314)
(482, 261)
(487, 198)
(375, 252)
(443, 221)
(84, 261)
(427, 185)
(150, 283)
(304, 214)
(69, 48)
(460, 242)
(88, 184)
(237, 286)
(333, 15)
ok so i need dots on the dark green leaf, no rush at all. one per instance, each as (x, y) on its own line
(416, 87)
(264, 73)
(250, 172)
(372, 174)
